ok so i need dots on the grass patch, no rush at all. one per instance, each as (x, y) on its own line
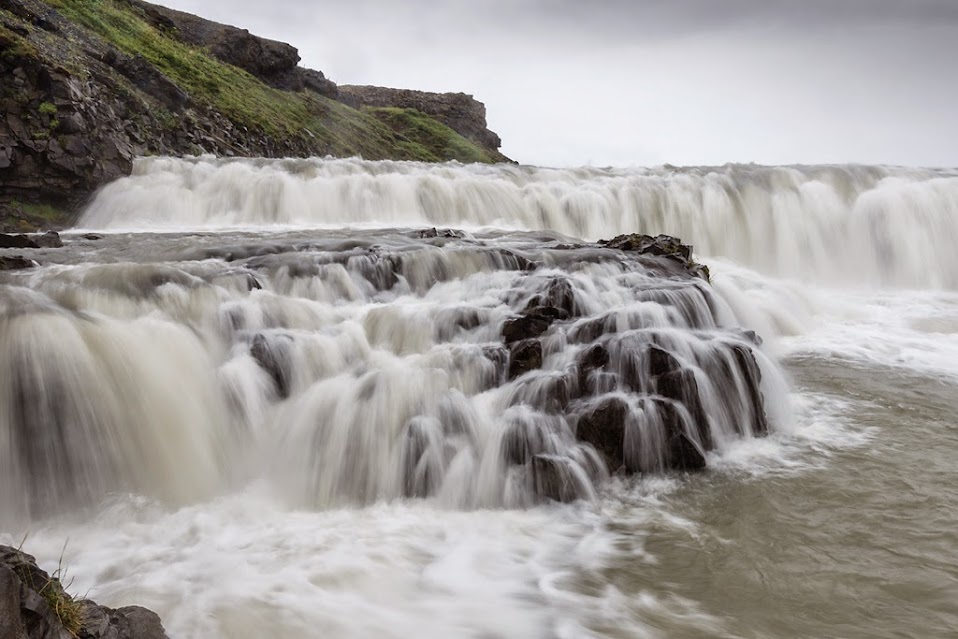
(68, 610)
(228, 89)
(43, 211)
(47, 108)
(14, 46)
(425, 136)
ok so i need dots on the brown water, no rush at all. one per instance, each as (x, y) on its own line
(232, 516)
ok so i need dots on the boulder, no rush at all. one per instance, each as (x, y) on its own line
(524, 327)
(555, 478)
(34, 605)
(50, 239)
(603, 426)
(16, 241)
(15, 263)
(272, 353)
(524, 356)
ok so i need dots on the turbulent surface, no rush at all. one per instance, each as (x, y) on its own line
(225, 365)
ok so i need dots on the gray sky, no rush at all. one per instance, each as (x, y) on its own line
(645, 82)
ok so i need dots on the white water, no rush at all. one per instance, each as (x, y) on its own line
(855, 225)
(247, 517)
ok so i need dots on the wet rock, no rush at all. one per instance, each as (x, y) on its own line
(555, 477)
(11, 623)
(681, 386)
(524, 356)
(664, 245)
(524, 327)
(440, 233)
(34, 605)
(15, 263)
(16, 241)
(272, 353)
(588, 362)
(93, 237)
(603, 426)
(50, 239)
(679, 451)
(522, 439)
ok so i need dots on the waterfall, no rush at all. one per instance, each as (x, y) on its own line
(853, 225)
(348, 367)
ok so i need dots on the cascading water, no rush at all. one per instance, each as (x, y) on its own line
(266, 401)
(375, 365)
(835, 224)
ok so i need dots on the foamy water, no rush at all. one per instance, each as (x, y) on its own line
(244, 521)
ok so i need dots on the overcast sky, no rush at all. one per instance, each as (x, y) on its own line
(647, 82)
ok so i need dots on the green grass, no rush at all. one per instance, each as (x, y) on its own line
(234, 92)
(428, 138)
(47, 108)
(43, 211)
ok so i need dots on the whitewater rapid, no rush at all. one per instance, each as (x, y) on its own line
(242, 501)
(853, 225)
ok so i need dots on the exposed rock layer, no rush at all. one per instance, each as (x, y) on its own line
(34, 605)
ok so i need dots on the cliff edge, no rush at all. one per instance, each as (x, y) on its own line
(89, 86)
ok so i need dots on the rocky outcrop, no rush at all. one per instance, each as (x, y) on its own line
(78, 102)
(69, 128)
(34, 605)
(275, 63)
(459, 111)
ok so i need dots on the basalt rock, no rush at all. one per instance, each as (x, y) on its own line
(34, 605)
(15, 262)
(524, 356)
(77, 106)
(50, 239)
(17, 241)
(460, 112)
(272, 353)
(604, 427)
(662, 246)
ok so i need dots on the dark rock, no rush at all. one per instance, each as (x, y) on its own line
(15, 262)
(589, 361)
(11, 623)
(445, 233)
(26, 593)
(524, 327)
(50, 239)
(679, 451)
(16, 241)
(561, 295)
(521, 440)
(681, 386)
(93, 237)
(555, 478)
(524, 356)
(317, 82)
(661, 362)
(135, 622)
(271, 61)
(603, 426)
(664, 246)
(71, 123)
(459, 111)
(272, 353)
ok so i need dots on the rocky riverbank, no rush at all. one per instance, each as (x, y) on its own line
(90, 86)
(35, 605)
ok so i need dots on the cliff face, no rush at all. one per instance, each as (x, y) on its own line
(89, 86)
(459, 111)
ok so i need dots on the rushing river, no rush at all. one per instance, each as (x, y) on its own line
(361, 490)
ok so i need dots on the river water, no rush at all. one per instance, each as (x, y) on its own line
(176, 474)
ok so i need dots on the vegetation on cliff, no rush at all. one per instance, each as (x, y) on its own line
(95, 83)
